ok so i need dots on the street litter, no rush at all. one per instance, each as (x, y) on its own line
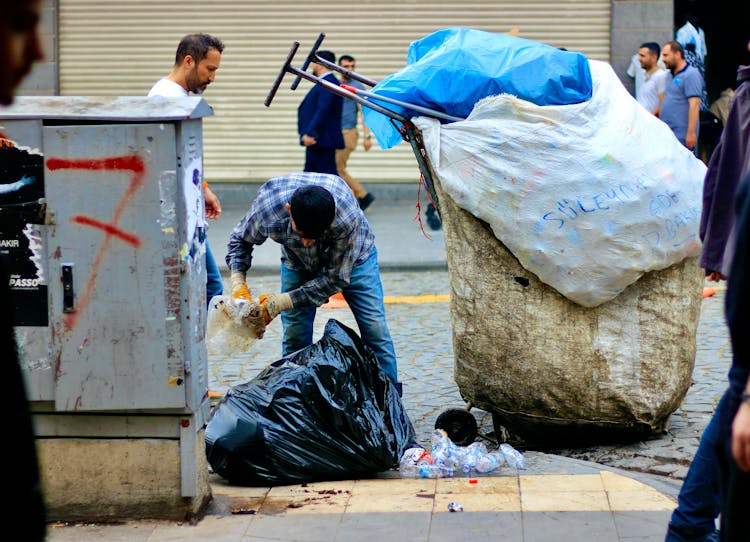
(233, 325)
(325, 412)
(445, 459)
(453, 506)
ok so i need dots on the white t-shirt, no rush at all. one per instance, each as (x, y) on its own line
(636, 72)
(652, 86)
(644, 92)
(165, 87)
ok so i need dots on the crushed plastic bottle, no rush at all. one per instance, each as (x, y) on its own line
(513, 457)
(489, 462)
(412, 461)
(435, 471)
(470, 456)
(453, 506)
(446, 459)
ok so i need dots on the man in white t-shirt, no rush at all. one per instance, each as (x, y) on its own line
(650, 91)
(196, 61)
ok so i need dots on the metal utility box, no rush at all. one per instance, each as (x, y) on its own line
(102, 228)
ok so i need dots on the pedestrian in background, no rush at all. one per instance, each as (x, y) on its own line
(327, 246)
(650, 76)
(196, 62)
(651, 91)
(20, 47)
(319, 121)
(351, 114)
(680, 107)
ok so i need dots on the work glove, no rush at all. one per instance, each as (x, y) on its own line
(239, 287)
(274, 304)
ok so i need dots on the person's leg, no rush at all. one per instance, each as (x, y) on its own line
(320, 160)
(297, 323)
(309, 160)
(698, 501)
(342, 158)
(214, 284)
(734, 483)
(328, 161)
(365, 298)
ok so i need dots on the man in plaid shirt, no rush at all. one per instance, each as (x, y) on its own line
(327, 246)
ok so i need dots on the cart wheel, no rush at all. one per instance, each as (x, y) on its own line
(459, 424)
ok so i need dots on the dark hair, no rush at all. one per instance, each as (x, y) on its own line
(327, 55)
(348, 58)
(197, 46)
(312, 209)
(652, 46)
(675, 46)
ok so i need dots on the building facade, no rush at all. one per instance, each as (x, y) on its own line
(115, 48)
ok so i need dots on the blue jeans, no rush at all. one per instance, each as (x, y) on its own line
(214, 285)
(734, 483)
(698, 501)
(365, 298)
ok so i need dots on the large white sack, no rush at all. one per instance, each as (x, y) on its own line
(587, 196)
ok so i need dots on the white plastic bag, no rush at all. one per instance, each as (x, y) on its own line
(587, 196)
(232, 326)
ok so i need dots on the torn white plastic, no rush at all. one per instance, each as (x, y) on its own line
(233, 326)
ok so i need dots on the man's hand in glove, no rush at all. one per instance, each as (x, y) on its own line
(239, 287)
(274, 304)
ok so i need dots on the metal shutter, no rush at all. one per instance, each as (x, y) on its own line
(120, 48)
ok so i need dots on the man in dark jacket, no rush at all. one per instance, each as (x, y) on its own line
(698, 502)
(20, 47)
(729, 162)
(319, 122)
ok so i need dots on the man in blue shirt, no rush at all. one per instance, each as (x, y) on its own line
(350, 113)
(327, 246)
(680, 107)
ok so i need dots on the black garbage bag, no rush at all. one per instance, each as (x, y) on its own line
(326, 412)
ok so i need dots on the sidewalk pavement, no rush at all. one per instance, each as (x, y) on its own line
(554, 498)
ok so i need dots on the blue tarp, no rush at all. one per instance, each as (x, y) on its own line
(451, 70)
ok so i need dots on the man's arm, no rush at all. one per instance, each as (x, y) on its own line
(741, 434)
(242, 240)
(322, 104)
(661, 88)
(737, 307)
(213, 207)
(367, 136)
(691, 136)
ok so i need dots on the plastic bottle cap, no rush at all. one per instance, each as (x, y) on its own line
(473, 481)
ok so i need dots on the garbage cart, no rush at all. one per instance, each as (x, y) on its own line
(571, 230)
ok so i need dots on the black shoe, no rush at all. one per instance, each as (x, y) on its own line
(433, 220)
(365, 202)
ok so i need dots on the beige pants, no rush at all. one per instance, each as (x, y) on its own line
(342, 157)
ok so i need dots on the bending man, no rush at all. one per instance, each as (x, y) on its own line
(327, 246)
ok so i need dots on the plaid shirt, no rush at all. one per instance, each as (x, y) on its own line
(347, 242)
